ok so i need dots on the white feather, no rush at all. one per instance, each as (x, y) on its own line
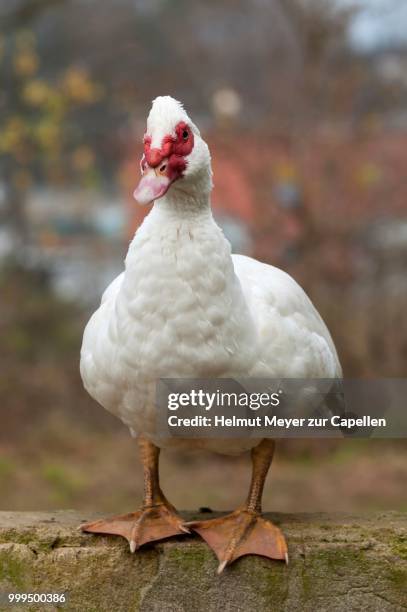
(185, 307)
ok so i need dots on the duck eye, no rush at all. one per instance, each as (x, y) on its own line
(185, 134)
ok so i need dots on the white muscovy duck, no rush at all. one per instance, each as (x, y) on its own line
(185, 307)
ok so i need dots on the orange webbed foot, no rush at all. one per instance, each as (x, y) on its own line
(242, 532)
(146, 525)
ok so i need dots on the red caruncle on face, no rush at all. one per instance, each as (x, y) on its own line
(173, 151)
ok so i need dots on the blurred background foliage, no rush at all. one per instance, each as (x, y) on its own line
(303, 104)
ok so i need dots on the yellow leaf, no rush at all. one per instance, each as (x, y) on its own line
(36, 92)
(56, 104)
(79, 87)
(368, 174)
(286, 171)
(26, 63)
(48, 134)
(12, 135)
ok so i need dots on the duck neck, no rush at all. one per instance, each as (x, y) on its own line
(180, 258)
(186, 200)
(183, 207)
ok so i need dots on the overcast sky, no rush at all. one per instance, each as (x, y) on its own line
(379, 22)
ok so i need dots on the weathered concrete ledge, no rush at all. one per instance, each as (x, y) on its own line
(337, 563)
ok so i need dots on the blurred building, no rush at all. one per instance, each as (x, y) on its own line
(78, 235)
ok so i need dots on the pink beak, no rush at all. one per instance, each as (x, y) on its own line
(151, 187)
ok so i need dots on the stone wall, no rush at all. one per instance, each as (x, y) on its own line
(337, 563)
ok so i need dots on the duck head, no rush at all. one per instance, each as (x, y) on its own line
(175, 158)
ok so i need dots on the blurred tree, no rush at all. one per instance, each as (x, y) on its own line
(19, 14)
(40, 138)
(320, 29)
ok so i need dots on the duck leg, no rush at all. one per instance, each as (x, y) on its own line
(244, 531)
(157, 518)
